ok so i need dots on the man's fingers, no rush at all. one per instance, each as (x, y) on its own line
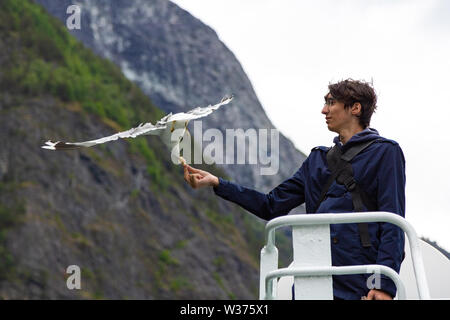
(376, 294)
(186, 174)
(193, 176)
(194, 170)
(196, 176)
(194, 179)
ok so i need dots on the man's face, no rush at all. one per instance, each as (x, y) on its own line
(336, 116)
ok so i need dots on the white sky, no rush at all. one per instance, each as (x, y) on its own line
(291, 50)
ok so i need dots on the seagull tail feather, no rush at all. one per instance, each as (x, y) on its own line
(59, 145)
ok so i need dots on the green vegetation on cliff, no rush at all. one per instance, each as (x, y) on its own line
(51, 61)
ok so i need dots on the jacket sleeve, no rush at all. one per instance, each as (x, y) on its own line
(391, 198)
(277, 202)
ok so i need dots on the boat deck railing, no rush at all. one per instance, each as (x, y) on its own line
(311, 267)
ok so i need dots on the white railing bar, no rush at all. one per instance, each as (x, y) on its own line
(357, 217)
(330, 270)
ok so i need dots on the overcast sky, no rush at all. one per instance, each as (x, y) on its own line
(291, 50)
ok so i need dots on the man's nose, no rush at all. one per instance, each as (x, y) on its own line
(325, 109)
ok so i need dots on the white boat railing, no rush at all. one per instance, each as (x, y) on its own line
(269, 254)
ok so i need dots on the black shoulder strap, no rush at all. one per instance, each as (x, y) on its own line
(355, 150)
(336, 166)
(342, 171)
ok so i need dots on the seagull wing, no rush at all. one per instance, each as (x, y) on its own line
(164, 127)
(131, 133)
(204, 111)
(195, 113)
(176, 126)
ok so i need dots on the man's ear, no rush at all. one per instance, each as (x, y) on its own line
(356, 109)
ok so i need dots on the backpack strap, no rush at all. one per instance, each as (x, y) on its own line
(342, 171)
(336, 167)
(346, 178)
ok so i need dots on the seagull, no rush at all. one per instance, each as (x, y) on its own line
(166, 127)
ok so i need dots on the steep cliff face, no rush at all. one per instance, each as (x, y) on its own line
(120, 211)
(98, 210)
(179, 62)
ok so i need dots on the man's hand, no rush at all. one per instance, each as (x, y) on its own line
(375, 294)
(198, 178)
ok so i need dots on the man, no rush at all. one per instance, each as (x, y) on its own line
(379, 173)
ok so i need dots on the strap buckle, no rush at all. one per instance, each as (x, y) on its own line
(350, 183)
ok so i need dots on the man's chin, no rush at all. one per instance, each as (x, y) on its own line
(330, 128)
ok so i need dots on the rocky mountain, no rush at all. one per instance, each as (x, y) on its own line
(121, 212)
(180, 63)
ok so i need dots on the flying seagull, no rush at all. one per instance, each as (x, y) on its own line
(165, 127)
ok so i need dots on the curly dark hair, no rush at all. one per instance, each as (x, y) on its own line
(351, 91)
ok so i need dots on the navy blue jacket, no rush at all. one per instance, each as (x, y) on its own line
(379, 171)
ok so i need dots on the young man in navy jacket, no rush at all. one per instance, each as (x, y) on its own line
(379, 170)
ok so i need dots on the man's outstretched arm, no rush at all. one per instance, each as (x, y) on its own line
(277, 202)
